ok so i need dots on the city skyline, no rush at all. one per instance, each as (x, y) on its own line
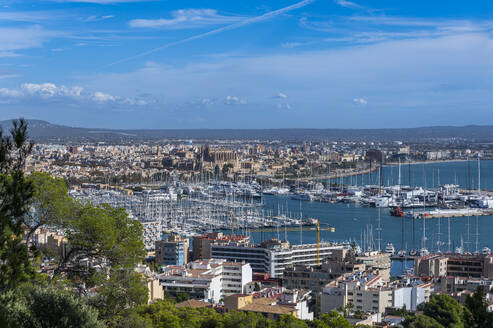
(296, 64)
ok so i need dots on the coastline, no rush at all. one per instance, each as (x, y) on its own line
(425, 162)
(373, 169)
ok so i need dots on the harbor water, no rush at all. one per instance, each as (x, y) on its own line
(429, 175)
(352, 222)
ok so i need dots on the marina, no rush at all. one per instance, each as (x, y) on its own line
(366, 215)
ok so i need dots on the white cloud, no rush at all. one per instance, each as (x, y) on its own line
(348, 4)
(282, 95)
(284, 106)
(50, 91)
(13, 39)
(101, 97)
(233, 100)
(207, 101)
(218, 101)
(187, 18)
(24, 16)
(289, 45)
(8, 93)
(8, 76)
(379, 28)
(396, 75)
(101, 2)
(360, 102)
(241, 23)
(94, 18)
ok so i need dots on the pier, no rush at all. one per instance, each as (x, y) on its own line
(403, 258)
(452, 213)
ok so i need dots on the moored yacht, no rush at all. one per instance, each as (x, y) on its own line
(390, 249)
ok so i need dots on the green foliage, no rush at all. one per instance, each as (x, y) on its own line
(96, 233)
(287, 320)
(103, 247)
(180, 297)
(101, 236)
(164, 314)
(51, 204)
(123, 291)
(15, 195)
(446, 310)
(441, 311)
(334, 320)
(39, 307)
(476, 304)
(421, 321)
(399, 312)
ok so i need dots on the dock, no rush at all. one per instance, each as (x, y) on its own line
(452, 213)
(403, 258)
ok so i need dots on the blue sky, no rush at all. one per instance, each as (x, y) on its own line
(247, 64)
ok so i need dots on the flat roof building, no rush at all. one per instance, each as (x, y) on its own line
(208, 280)
(201, 245)
(273, 256)
(172, 251)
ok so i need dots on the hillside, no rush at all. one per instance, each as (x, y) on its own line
(42, 130)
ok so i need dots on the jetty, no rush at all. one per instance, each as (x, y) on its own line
(451, 213)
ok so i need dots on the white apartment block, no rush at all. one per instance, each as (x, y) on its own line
(209, 280)
(273, 256)
(366, 293)
(371, 294)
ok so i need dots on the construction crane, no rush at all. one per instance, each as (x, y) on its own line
(302, 228)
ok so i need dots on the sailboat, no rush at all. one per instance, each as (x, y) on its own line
(460, 249)
(424, 251)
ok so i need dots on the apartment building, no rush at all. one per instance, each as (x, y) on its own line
(431, 266)
(456, 265)
(265, 306)
(372, 293)
(201, 245)
(273, 256)
(208, 280)
(171, 251)
(315, 277)
(367, 293)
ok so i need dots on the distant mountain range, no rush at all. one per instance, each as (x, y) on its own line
(42, 130)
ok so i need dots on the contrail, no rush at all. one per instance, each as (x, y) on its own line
(245, 22)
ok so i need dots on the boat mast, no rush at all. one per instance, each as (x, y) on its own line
(412, 205)
(477, 235)
(479, 176)
(402, 219)
(438, 236)
(379, 235)
(399, 180)
(424, 210)
(449, 250)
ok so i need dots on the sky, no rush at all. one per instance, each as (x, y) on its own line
(247, 64)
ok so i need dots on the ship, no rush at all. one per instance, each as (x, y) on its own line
(301, 196)
(402, 253)
(397, 212)
(390, 249)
